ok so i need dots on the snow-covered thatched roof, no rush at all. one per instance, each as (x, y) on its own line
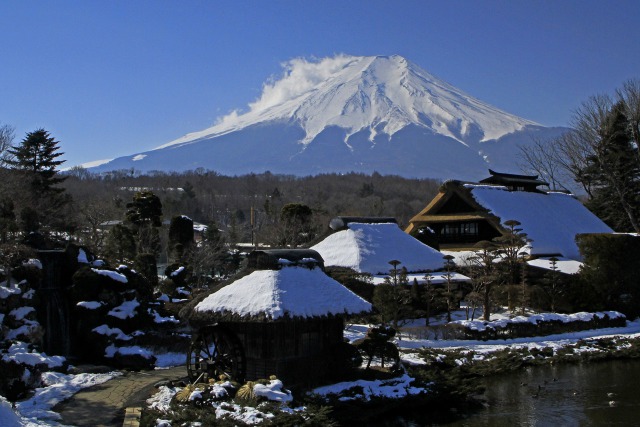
(292, 291)
(368, 248)
(551, 220)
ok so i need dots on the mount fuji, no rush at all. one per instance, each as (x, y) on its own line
(352, 114)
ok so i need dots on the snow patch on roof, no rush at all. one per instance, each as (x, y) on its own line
(563, 265)
(291, 291)
(368, 248)
(551, 220)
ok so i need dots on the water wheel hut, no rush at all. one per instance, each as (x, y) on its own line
(284, 318)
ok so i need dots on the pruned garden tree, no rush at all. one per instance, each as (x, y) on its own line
(430, 295)
(144, 212)
(181, 237)
(553, 284)
(393, 297)
(120, 244)
(449, 264)
(295, 219)
(508, 247)
(483, 273)
(524, 288)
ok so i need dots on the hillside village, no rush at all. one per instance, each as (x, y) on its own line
(127, 295)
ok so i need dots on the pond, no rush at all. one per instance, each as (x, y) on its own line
(598, 394)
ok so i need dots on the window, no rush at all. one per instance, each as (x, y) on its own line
(451, 230)
(459, 232)
(469, 228)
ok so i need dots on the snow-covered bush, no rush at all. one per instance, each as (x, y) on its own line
(115, 307)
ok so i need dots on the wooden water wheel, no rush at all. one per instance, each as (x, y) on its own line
(215, 351)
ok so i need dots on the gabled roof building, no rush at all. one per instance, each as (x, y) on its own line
(463, 214)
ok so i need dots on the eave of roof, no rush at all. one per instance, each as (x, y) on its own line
(451, 218)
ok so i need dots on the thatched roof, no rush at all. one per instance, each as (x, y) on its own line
(368, 248)
(270, 295)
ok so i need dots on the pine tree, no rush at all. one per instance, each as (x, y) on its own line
(37, 156)
(615, 172)
(180, 236)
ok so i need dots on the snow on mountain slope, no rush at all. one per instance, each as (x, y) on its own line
(349, 113)
(376, 93)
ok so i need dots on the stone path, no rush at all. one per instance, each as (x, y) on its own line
(104, 404)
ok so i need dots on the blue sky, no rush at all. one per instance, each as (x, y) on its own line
(111, 78)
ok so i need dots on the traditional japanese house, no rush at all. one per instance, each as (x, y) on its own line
(286, 314)
(366, 245)
(463, 214)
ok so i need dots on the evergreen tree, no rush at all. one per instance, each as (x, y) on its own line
(120, 244)
(180, 236)
(553, 284)
(392, 298)
(36, 156)
(509, 246)
(448, 265)
(11, 256)
(614, 171)
(145, 209)
(296, 221)
(8, 223)
(483, 273)
(145, 213)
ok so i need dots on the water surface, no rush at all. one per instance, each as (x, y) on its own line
(597, 394)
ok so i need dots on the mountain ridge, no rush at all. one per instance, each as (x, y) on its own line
(367, 106)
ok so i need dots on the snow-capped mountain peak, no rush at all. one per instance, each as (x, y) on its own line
(378, 94)
(352, 114)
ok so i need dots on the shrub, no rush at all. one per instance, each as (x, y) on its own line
(608, 279)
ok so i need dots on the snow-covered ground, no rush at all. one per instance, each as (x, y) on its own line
(57, 387)
(37, 410)
(406, 343)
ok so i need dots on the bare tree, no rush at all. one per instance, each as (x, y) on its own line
(541, 157)
(7, 133)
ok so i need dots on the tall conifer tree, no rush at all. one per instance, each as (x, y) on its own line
(37, 156)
